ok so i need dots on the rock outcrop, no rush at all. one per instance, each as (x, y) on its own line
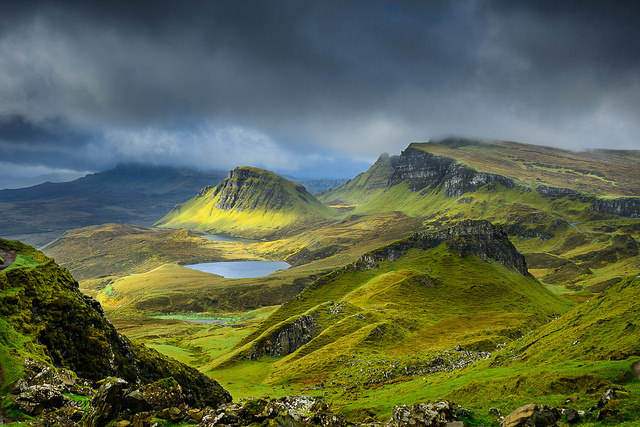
(286, 339)
(249, 188)
(557, 192)
(479, 238)
(422, 171)
(627, 206)
(67, 330)
(436, 414)
(532, 415)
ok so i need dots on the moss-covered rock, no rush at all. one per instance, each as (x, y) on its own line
(45, 317)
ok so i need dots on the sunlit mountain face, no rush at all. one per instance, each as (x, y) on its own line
(333, 213)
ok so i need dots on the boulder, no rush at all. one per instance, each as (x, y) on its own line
(107, 403)
(39, 374)
(37, 399)
(142, 419)
(532, 415)
(58, 419)
(635, 368)
(606, 397)
(165, 393)
(437, 414)
(194, 416)
(572, 416)
(290, 411)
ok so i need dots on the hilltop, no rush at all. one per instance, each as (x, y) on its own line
(430, 303)
(250, 202)
(442, 272)
(542, 204)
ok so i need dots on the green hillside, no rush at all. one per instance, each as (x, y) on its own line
(408, 302)
(600, 173)
(250, 202)
(549, 207)
(47, 324)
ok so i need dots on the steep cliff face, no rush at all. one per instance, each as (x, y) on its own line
(627, 206)
(557, 192)
(479, 238)
(286, 339)
(46, 317)
(420, 171)
(249, 202)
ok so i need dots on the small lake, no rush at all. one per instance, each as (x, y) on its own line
(240, 269)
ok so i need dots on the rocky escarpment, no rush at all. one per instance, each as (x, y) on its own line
(462, 179)
(45, 316)
(628, 206)
(249, 188)
(286, 338)
(422, 171)
(557, 192)
(479, 238)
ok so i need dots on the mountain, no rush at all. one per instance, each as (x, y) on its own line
(542, 197)
(454, 167)
(133, 193)
(397, 301)
(250, 202)
(54, 339)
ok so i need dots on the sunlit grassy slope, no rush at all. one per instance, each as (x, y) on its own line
(135, 270)
(422, 303)
(249, 202)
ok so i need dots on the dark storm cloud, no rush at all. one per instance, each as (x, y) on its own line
(160, 80)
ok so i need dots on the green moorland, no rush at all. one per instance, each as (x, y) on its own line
(138, 271)
(430, 324)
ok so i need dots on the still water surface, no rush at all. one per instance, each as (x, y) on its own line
(240, 269)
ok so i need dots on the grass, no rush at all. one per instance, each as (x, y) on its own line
(117, 250)
(380, 332)
(135, 270)
(262, 202)
(398, 314)
(606, 173)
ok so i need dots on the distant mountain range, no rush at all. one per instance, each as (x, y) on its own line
(133, 193)
(130, 193)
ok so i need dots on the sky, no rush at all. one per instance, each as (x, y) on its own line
(306, 88)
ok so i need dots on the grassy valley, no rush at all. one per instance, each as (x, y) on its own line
(493, 274)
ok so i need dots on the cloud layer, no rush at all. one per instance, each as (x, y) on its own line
(84, 85)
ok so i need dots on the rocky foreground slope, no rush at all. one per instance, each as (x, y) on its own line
(46, 324)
